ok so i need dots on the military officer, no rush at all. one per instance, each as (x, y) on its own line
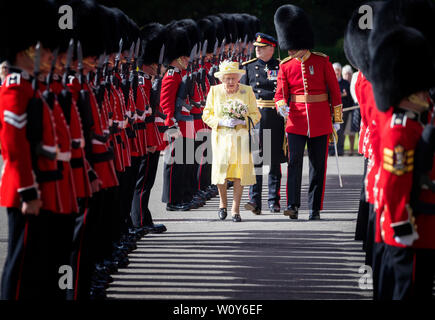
(262, 75)
(301, 97)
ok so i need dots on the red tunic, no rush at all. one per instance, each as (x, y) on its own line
(313, 75)
(18, 179)
(168, 95)
(153, 136)
(400, 135)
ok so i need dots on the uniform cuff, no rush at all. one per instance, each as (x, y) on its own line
(338, 113)
(28, 194)
(402, 228)
(280, 103)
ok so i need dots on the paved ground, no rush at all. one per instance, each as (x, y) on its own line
(263, 257)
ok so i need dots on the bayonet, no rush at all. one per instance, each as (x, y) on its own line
(136, 51)
(222, 51)
(130, 53)
(69, 56)
(192, 55)
(204, 50)
(118, 55)
(80, 61)
(53, 65)
(79, 56)
(162, 54)
(36, 65)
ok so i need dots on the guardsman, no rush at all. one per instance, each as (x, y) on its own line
(406, 198)
(29, 184)
(262, 75)
(153, 36)
(304, 80)
(177, 53)
(357, 51)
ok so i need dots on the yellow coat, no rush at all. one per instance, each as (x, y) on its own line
(230, 147)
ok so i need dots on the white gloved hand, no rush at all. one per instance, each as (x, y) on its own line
(336, 126)
(283, 111)
(238, 121)
(407, 240)
(230, 123)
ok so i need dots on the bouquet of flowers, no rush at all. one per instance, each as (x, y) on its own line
(235, 109)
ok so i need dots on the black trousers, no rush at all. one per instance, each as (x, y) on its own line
(203, 169)
(406, 273)
(177, 187)
(274, 184)
(127, 184)
(140, 213)
(37, 247)
(370, 235)
(424, 274)
(60, 239)
(395, 273)
(363, 211)
(317, 154)
(25, 273)
(88, 245)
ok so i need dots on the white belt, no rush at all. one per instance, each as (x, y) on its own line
(64, 156)
(81, 141)
(95, 141)
(51, 149)
(158, 119)
(184, 109)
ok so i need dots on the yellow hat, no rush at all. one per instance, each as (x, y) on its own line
(227, 67)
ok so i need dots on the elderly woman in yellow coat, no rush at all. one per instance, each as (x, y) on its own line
(232, 159)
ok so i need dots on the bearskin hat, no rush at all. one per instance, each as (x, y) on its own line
(393, 75)
(293, 28)
(177, 43)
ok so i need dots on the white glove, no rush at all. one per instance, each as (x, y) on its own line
(283, 111)
(230, 123)
(174, 132)
(238, 121)
(336, 126)
(407, 240)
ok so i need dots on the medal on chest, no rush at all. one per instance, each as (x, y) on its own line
(272, 75)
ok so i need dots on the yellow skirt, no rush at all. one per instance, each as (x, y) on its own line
(233, 172)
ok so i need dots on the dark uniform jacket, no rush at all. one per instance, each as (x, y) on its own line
(262, 77)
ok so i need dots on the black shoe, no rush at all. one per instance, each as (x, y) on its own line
(156, 228)
(230, 184)
(222, 213)
(237, 218)
(292, 212)
(177, 207)
(314, 215)
(274, 207)
(251, 206)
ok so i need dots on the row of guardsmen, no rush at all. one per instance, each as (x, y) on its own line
(396, 218)
(84, 115)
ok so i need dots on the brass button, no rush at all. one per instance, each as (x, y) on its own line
(257, 75)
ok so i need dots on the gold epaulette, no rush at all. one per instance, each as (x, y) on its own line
(249, 61)
(285, 60)
(321, 54)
